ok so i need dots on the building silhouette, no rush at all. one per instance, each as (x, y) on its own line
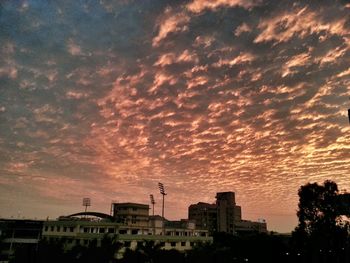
(204, 215)
(18, 233)
(223, 216)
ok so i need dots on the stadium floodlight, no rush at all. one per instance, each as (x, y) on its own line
(152, 202)
(86, 202)
(162, 191)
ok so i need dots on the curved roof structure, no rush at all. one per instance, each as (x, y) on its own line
(96, 214)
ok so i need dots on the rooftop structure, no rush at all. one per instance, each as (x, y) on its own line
(223, 216)
(131, 213)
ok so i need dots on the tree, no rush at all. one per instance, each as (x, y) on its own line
(319, 210)
(320, 227)
(102, 251)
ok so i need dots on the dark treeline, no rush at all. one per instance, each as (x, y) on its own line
(225, 248)
(322, 236)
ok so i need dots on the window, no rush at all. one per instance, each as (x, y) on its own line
(162, 244)
(134, 209)
(64, 229)
(183, 244)
(123, 231)
(58, 229)
(86, 230)
(102, 230)
(192, 244)
(134, 231)
(46, 228)
(111, 230)
(173, 244)
(71, 229)
(86, 242)
(52, 228)
(133, 220)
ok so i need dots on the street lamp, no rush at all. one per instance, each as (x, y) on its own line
(162, 192)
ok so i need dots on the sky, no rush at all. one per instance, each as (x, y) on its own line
(104, 99)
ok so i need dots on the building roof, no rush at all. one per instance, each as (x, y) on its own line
(201, 204)
(95, 214)
(131, 205)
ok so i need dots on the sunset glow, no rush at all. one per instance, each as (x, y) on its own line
(104, 99)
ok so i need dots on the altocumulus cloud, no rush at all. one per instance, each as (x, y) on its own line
(104, 99)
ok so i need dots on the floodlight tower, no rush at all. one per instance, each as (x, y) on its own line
(86, 202)
(162, 192)
(152, 202)
(349, 113)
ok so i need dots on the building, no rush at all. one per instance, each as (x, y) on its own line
(16, 234)
(343, 201)
(131, 213)
(130, 224)
(227, 212)
(223, 216)
(204, 215)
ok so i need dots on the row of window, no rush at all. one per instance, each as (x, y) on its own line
(93, 230)
(59, 228)
(111, 230)
(72, 241)
(170, 233)
(125, 208)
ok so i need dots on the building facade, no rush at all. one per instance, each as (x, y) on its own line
(223, 216)
(131, 213)
(204, 215)
(18, 233)
(130, 225)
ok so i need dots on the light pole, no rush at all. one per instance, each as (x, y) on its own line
(86, 203)
(152, 202)
(153, 219)
(162, 191)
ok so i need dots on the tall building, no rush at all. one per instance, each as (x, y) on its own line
(131, 213)
(204, 215)
(227, 213)
(223, 216)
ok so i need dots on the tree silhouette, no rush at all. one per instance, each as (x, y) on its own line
(103, 251)
(321, 227)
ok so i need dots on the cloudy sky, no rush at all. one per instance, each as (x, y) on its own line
(104, 99)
